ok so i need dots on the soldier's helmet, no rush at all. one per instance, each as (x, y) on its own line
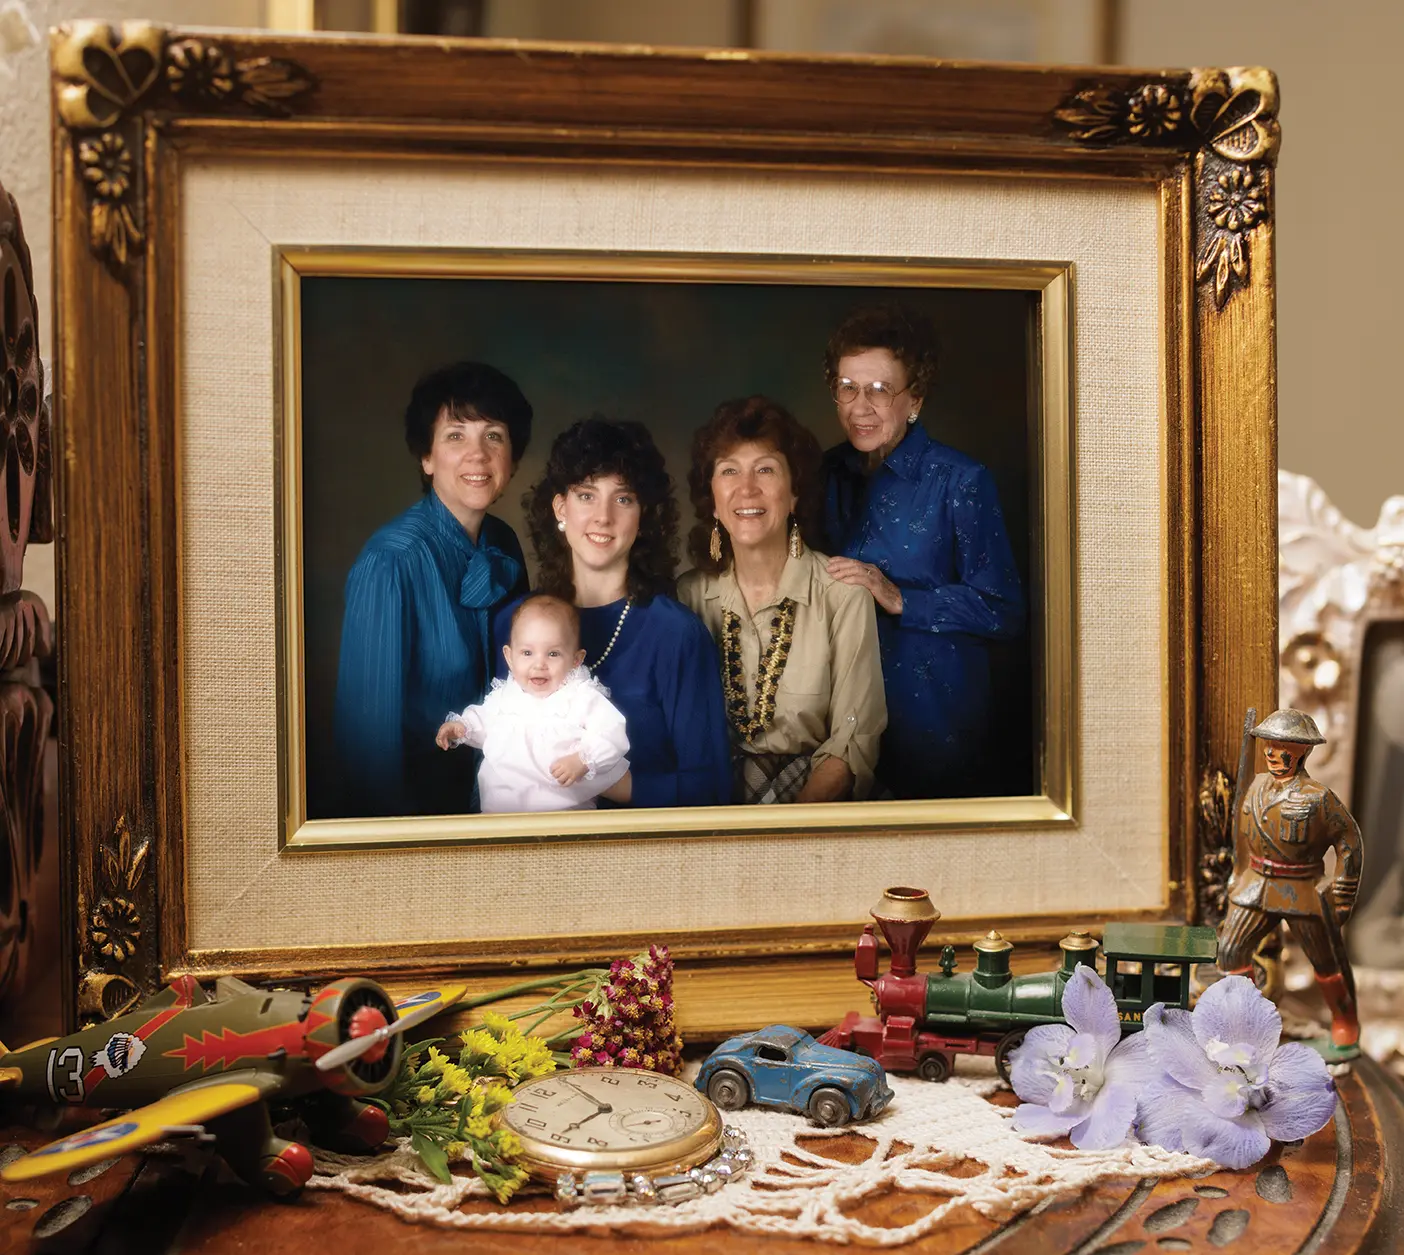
(1290, 725)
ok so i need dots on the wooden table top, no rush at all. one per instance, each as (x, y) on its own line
(1337, 1193)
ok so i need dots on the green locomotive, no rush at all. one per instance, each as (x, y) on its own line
(924, 1020)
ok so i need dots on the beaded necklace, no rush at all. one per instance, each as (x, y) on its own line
(623, 614)
(750, 724)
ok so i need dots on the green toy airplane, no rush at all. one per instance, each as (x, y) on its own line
(189, 1061)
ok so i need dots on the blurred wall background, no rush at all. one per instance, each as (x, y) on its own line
(1338, 276)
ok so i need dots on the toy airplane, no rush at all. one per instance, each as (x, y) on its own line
(190, 1062)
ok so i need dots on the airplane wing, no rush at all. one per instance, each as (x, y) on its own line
(137, 1128)
(422, 1006)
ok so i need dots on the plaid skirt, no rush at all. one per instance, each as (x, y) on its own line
(766, 778)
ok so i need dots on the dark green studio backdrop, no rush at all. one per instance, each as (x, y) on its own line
(661, 353)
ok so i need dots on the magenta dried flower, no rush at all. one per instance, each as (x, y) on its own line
(631, 1024)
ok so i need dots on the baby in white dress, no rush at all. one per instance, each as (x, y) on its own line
(551, 739)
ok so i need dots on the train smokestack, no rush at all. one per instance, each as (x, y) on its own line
(992, 960)
(905, 917)
(1078, 947)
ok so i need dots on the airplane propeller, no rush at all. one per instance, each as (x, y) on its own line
(360, 1044)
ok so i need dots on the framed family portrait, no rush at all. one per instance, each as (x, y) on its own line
(617, 334)
(266, 247)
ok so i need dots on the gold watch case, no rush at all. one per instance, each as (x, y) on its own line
(611, 1120)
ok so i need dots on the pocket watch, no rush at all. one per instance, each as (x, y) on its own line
(613, 1135)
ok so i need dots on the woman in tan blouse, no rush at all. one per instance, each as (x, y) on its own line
(800, 664)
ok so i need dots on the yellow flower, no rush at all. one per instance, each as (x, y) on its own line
(456, 1080)
(436, 1062)
(504, 1050)
(477, 1042)
(508, 1182)
(495, 1097)
(507, 1144)
(454, 1150)
(479, 1126)
(426, 1094)
(498, 1024)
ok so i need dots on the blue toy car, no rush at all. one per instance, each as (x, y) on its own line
(781, 1066)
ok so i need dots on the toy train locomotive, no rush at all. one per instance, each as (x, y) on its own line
(924, 1020)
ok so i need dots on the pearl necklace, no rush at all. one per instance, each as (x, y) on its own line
(624, 614)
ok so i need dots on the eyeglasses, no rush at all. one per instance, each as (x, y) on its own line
(881, 396)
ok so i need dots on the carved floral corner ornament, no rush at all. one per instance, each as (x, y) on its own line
(1228, 120)
(1215, 845)
(105, 75)
(113, 927)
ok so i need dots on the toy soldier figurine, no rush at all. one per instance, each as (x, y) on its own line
(1285, 823)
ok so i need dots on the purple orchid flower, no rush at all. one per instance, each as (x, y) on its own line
(1080, 1081)
(1228, 1088)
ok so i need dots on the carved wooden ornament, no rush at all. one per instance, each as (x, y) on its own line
(26, 635)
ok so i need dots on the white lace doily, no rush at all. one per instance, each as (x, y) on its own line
(927, 1131)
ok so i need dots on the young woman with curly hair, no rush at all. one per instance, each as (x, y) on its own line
(800, 665)
(604, 526)
(917, 525)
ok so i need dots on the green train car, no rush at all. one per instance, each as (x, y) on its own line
(924, 1020)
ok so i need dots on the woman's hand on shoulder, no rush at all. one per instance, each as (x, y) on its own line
(865, 575)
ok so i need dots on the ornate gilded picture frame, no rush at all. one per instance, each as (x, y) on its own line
(193, 168)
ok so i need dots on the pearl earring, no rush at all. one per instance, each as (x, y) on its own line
(911, 418)
(560, 525)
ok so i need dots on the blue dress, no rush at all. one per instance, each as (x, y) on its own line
(664, 675)
(414, 646)
(929, 519)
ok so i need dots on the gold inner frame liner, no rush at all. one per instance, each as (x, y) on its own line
(1050, 551)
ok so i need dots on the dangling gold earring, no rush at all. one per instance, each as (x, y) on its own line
(715, 548)
(796, 542)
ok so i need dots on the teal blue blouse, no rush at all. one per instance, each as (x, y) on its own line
(415, 644)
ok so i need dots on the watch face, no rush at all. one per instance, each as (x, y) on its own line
(605, 1119)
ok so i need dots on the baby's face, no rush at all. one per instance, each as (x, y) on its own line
(542, 653)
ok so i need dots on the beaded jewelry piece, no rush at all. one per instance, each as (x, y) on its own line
(796, 540)
(623, 614)
(714, 548)
(750, 724)
(606, 1189)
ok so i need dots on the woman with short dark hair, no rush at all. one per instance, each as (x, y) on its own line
(415, 636)
(918, 526)
(800, 668)
(604, 526)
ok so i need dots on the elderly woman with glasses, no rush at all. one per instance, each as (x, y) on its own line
(918, 525)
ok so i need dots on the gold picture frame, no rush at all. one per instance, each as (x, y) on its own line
(1050, 342)
(177, 149)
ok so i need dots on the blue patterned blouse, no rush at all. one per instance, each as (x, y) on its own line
(414, 645)
(663, 674)
(929, 519)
